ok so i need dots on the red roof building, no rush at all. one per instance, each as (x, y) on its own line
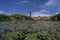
(40, 18)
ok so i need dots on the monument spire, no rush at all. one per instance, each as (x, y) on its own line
(30, 14)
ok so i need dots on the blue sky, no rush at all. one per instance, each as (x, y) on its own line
(37, 7)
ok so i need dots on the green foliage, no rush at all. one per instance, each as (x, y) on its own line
(31, 37)
(19, 16)
(58, 16)
(11, 36)
(3, 17)
(55, 17)
(29, 30)
(45, 36)
(15, 16)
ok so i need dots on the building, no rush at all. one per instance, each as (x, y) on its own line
(40, 18)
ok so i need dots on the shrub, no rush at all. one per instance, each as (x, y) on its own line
(11, 36)
(31, 37)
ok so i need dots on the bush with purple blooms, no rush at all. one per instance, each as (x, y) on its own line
(30, 30)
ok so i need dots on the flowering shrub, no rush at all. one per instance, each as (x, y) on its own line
(29, 30)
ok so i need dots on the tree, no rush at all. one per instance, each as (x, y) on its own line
(20, 17)
(56, 17)
(4, 17)
(15, 16)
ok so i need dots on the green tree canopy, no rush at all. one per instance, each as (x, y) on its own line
(56, 17)
(4, 17)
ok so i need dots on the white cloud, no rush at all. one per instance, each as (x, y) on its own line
(40, 13)
(48, 7)
(35, 15)
(2, 12)
(52, 3)
(22, 2)
(57, 12)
